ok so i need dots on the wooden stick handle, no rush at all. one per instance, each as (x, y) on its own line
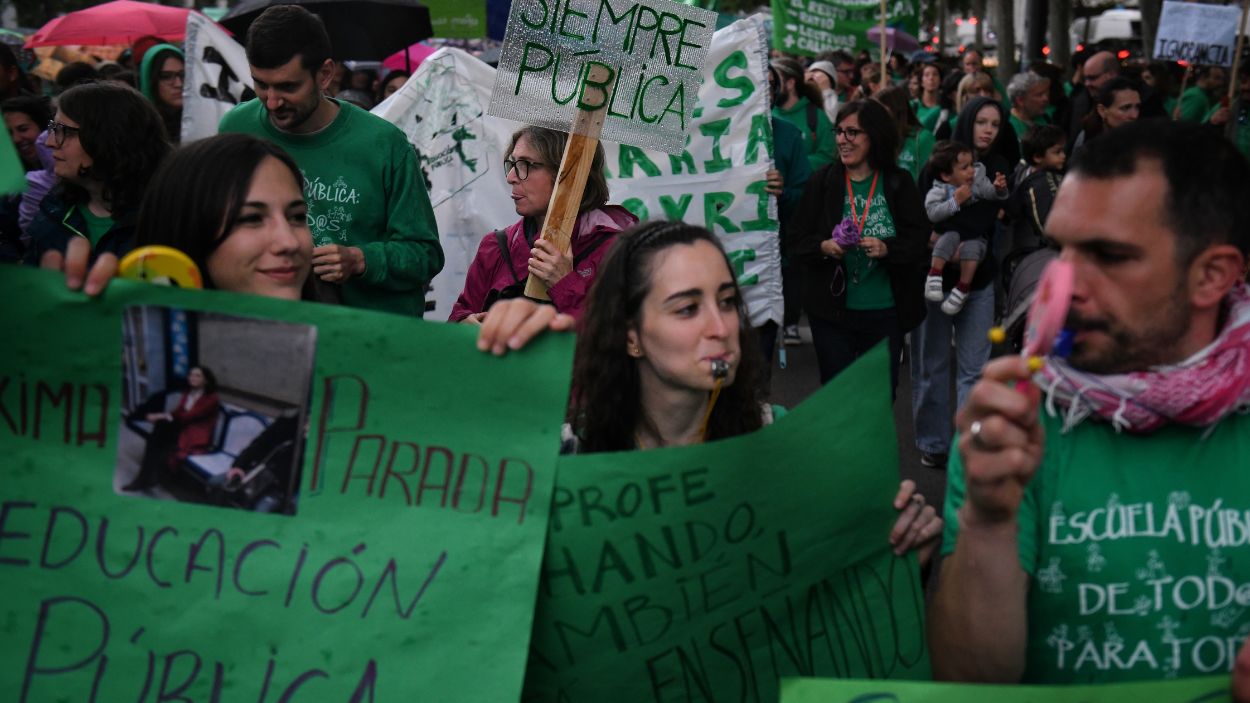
(1241, 42)
(885, 65)
(579, 156)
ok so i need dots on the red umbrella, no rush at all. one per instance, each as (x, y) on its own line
(117, 22)
(416, 54)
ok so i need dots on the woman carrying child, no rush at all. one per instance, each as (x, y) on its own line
(958, 183)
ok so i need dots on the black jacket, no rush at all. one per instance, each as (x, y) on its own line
(57, 223)
(905, 260)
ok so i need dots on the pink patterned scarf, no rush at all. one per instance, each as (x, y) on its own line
(1199, 391)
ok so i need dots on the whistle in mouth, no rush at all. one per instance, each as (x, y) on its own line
(720, 368)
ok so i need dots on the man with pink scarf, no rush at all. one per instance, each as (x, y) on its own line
(1098, 516)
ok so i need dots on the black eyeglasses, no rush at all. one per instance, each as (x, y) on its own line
(171, 76)
(522, 167)
(849, 132)
(59, 131)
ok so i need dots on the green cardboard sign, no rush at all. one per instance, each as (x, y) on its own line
(408, 570)
(809, 27)
(1207, 689)
(455, 19)
(710, 572)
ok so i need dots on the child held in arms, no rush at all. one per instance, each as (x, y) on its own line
(959, 182)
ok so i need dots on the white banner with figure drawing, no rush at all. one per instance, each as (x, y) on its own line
(716, 182)
(217, 77)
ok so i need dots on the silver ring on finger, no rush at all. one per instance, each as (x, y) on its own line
(978, 441)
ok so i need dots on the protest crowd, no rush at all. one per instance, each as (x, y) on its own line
(917, 207)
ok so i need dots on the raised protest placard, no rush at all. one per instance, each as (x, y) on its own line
(1212, 689)
(1197, 34)
(457, 19)
(217, 77)
(809, 27)
(649, 54)
(710, 572)
(716, 181)
(406, 569)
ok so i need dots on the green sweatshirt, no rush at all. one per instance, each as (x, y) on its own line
(364, 189)
(819, 149)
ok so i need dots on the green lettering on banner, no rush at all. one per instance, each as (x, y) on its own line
(679, 97)
(564, 19)
(716, 130)
(638, 207)
(535, 23)
(457, 19)
(586, 81)
(761, 133)
(714, 205)
(526, 67)
(741, 83)
(739, 259)
(613, 19)
(762, 221)
(682, 43)
(810, 27)
(684, 159)
(676, 210)
(112, 597)
(631, 156)
(1205, 689)
(689, 574)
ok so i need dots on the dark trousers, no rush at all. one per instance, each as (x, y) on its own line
(767, 336)
(791, 292)
(839, 343)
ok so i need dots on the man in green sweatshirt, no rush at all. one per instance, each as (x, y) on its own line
(370, 215)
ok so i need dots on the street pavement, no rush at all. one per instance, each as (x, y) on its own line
(800, 378)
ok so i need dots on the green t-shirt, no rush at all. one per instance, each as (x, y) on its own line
(364, 189)
(868, 283)
(1195, 104)
(97, 226)
(915, 152)
(820, 149)
(1137, 550)
(928, 116)
(1023, 128)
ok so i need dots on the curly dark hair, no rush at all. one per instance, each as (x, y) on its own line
(606, 407)
(124, 136)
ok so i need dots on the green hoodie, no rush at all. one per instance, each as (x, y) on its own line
(171, 116)
(147, 82)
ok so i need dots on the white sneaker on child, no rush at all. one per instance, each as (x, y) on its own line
(954, 302)
(933, 288)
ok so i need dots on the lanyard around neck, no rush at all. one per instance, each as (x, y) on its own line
(859, 223)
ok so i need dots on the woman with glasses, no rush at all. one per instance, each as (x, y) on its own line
(861, 238)
(507, 257)
(160, 78)
(107, 140)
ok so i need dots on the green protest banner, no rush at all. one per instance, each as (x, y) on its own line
(456, 19)
(809, 27)
(1207, 689)
(710, 572)
(402, 565)
(641, 61)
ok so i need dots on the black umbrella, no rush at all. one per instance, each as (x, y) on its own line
(359, 29)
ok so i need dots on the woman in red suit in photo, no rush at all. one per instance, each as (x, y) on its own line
(185, 430)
